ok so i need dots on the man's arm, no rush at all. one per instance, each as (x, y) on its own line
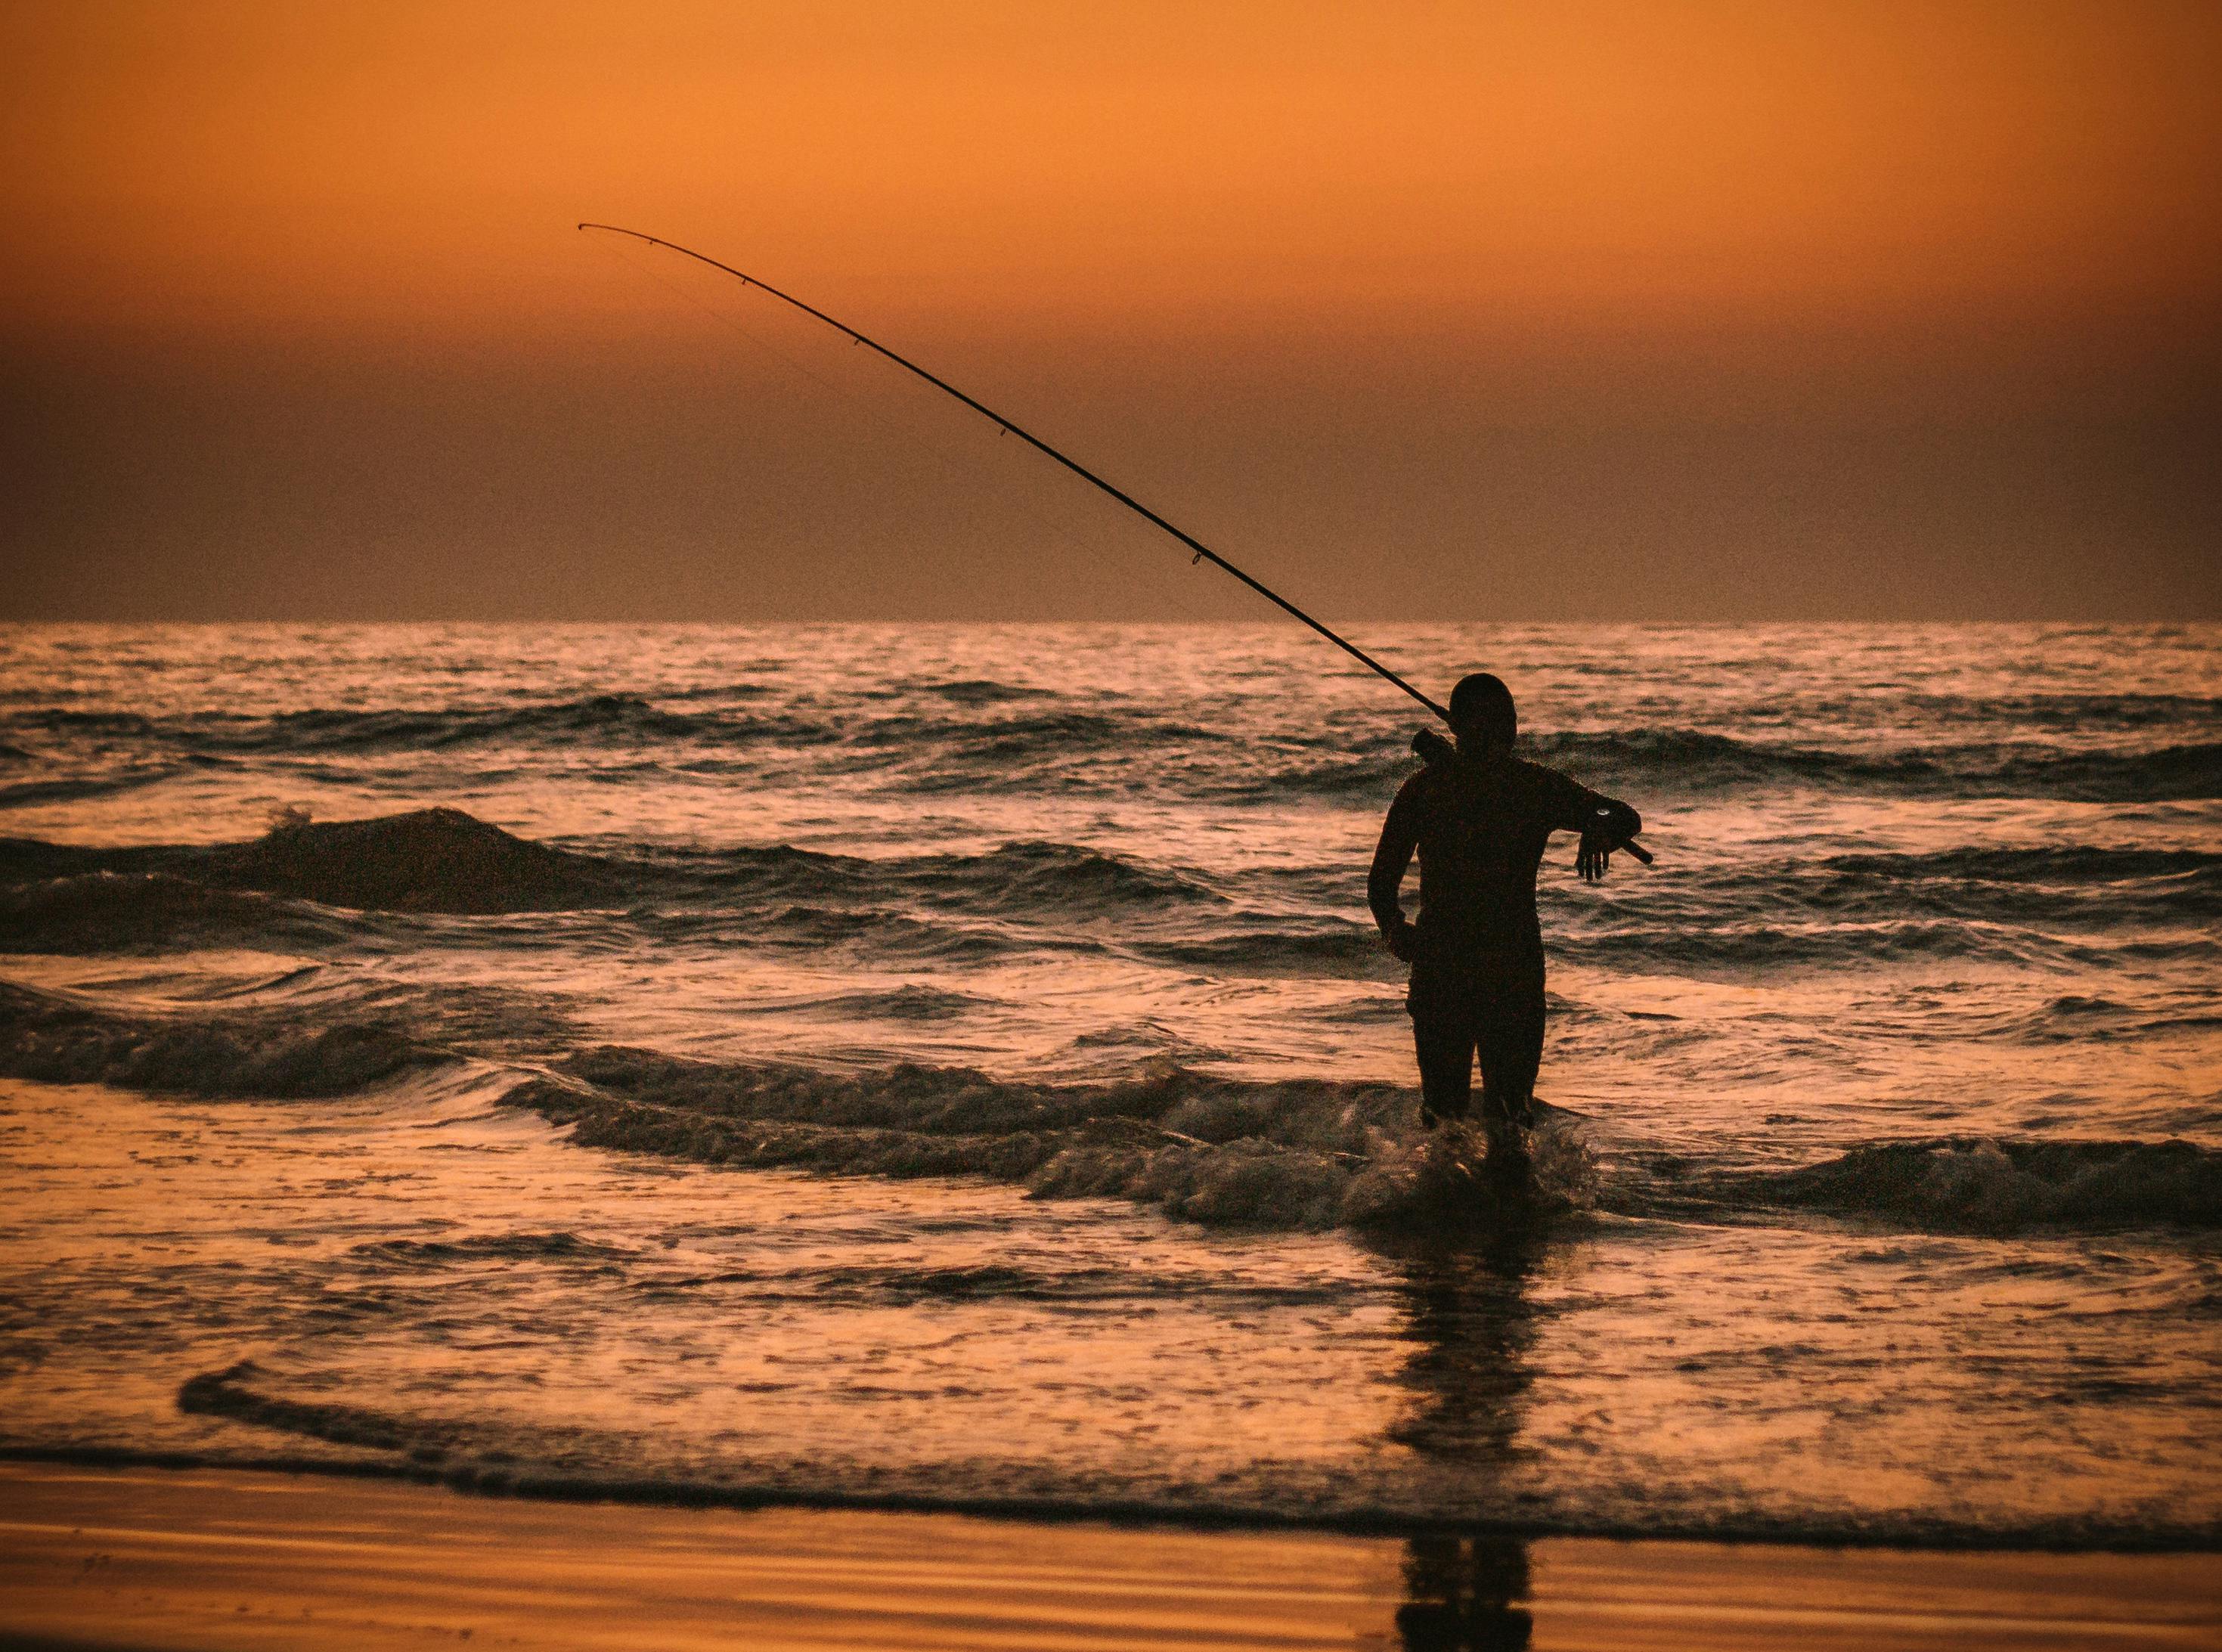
(1606, 823)
(1400, 836)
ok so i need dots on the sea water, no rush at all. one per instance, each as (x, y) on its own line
(955, 1066)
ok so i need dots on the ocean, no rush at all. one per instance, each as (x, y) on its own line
(953, 1066)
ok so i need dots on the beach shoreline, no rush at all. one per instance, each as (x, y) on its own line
(144, 1558)
(500, 1481)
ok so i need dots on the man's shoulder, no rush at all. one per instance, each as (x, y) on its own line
(1538, 775)
(1452, 785)
(1450, 773)
(1419, 787)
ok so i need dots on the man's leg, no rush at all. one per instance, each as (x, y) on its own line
(1510, 1046)
(1445, 1044)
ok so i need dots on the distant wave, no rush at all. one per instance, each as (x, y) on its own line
(557, 1245)
(980, 736)
(2012, 885)
(325, 884)
(2060, 862)
(962, 691)
(1686, 762)
(323, 730)
(69, 788)
(2011, 902)
(1684, 759)
(1743, 945)
(913, 1002)
(2073, 713)
(444, 860)
(1030, 875)
(2109, 887)
(431, 860)
(628, 721)
(1340, 950)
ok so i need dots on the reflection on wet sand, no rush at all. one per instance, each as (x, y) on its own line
(1473, 1323)
(1459, 1595)
(211, 1559)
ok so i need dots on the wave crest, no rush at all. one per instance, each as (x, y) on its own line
(1220, 1152)
(64, 897)
(1203, 1147)
(1983, 1184)
(47, 1037)
(1691, 760)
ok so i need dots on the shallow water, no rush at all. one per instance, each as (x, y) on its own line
(955, 1065)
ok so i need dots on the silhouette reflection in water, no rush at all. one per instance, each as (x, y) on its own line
(1473, 1323)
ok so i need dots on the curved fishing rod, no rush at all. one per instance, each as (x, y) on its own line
(1203, 552)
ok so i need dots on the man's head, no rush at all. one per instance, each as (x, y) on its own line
(1482, 715)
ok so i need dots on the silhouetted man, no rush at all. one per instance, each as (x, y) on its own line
(1480, 818)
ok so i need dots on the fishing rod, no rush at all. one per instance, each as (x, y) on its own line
(1429, 745)
(1203, 552)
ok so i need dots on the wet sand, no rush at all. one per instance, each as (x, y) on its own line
(149, 1558)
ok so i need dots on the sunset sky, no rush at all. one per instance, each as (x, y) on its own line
(1649, 310)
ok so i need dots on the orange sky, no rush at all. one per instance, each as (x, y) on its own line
(1702, 211)
(334, 165)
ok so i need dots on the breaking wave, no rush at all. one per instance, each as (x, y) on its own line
(1307, 1154)
(146, 912)
(50, 1037)
(1215, 1150)
(1980, 1184)
(439, 860)
(484, 1450)
(444, 861)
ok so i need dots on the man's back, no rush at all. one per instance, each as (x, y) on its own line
(1482, 830)
(1480, 827)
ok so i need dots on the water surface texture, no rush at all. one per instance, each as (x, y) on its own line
(955, 1066)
